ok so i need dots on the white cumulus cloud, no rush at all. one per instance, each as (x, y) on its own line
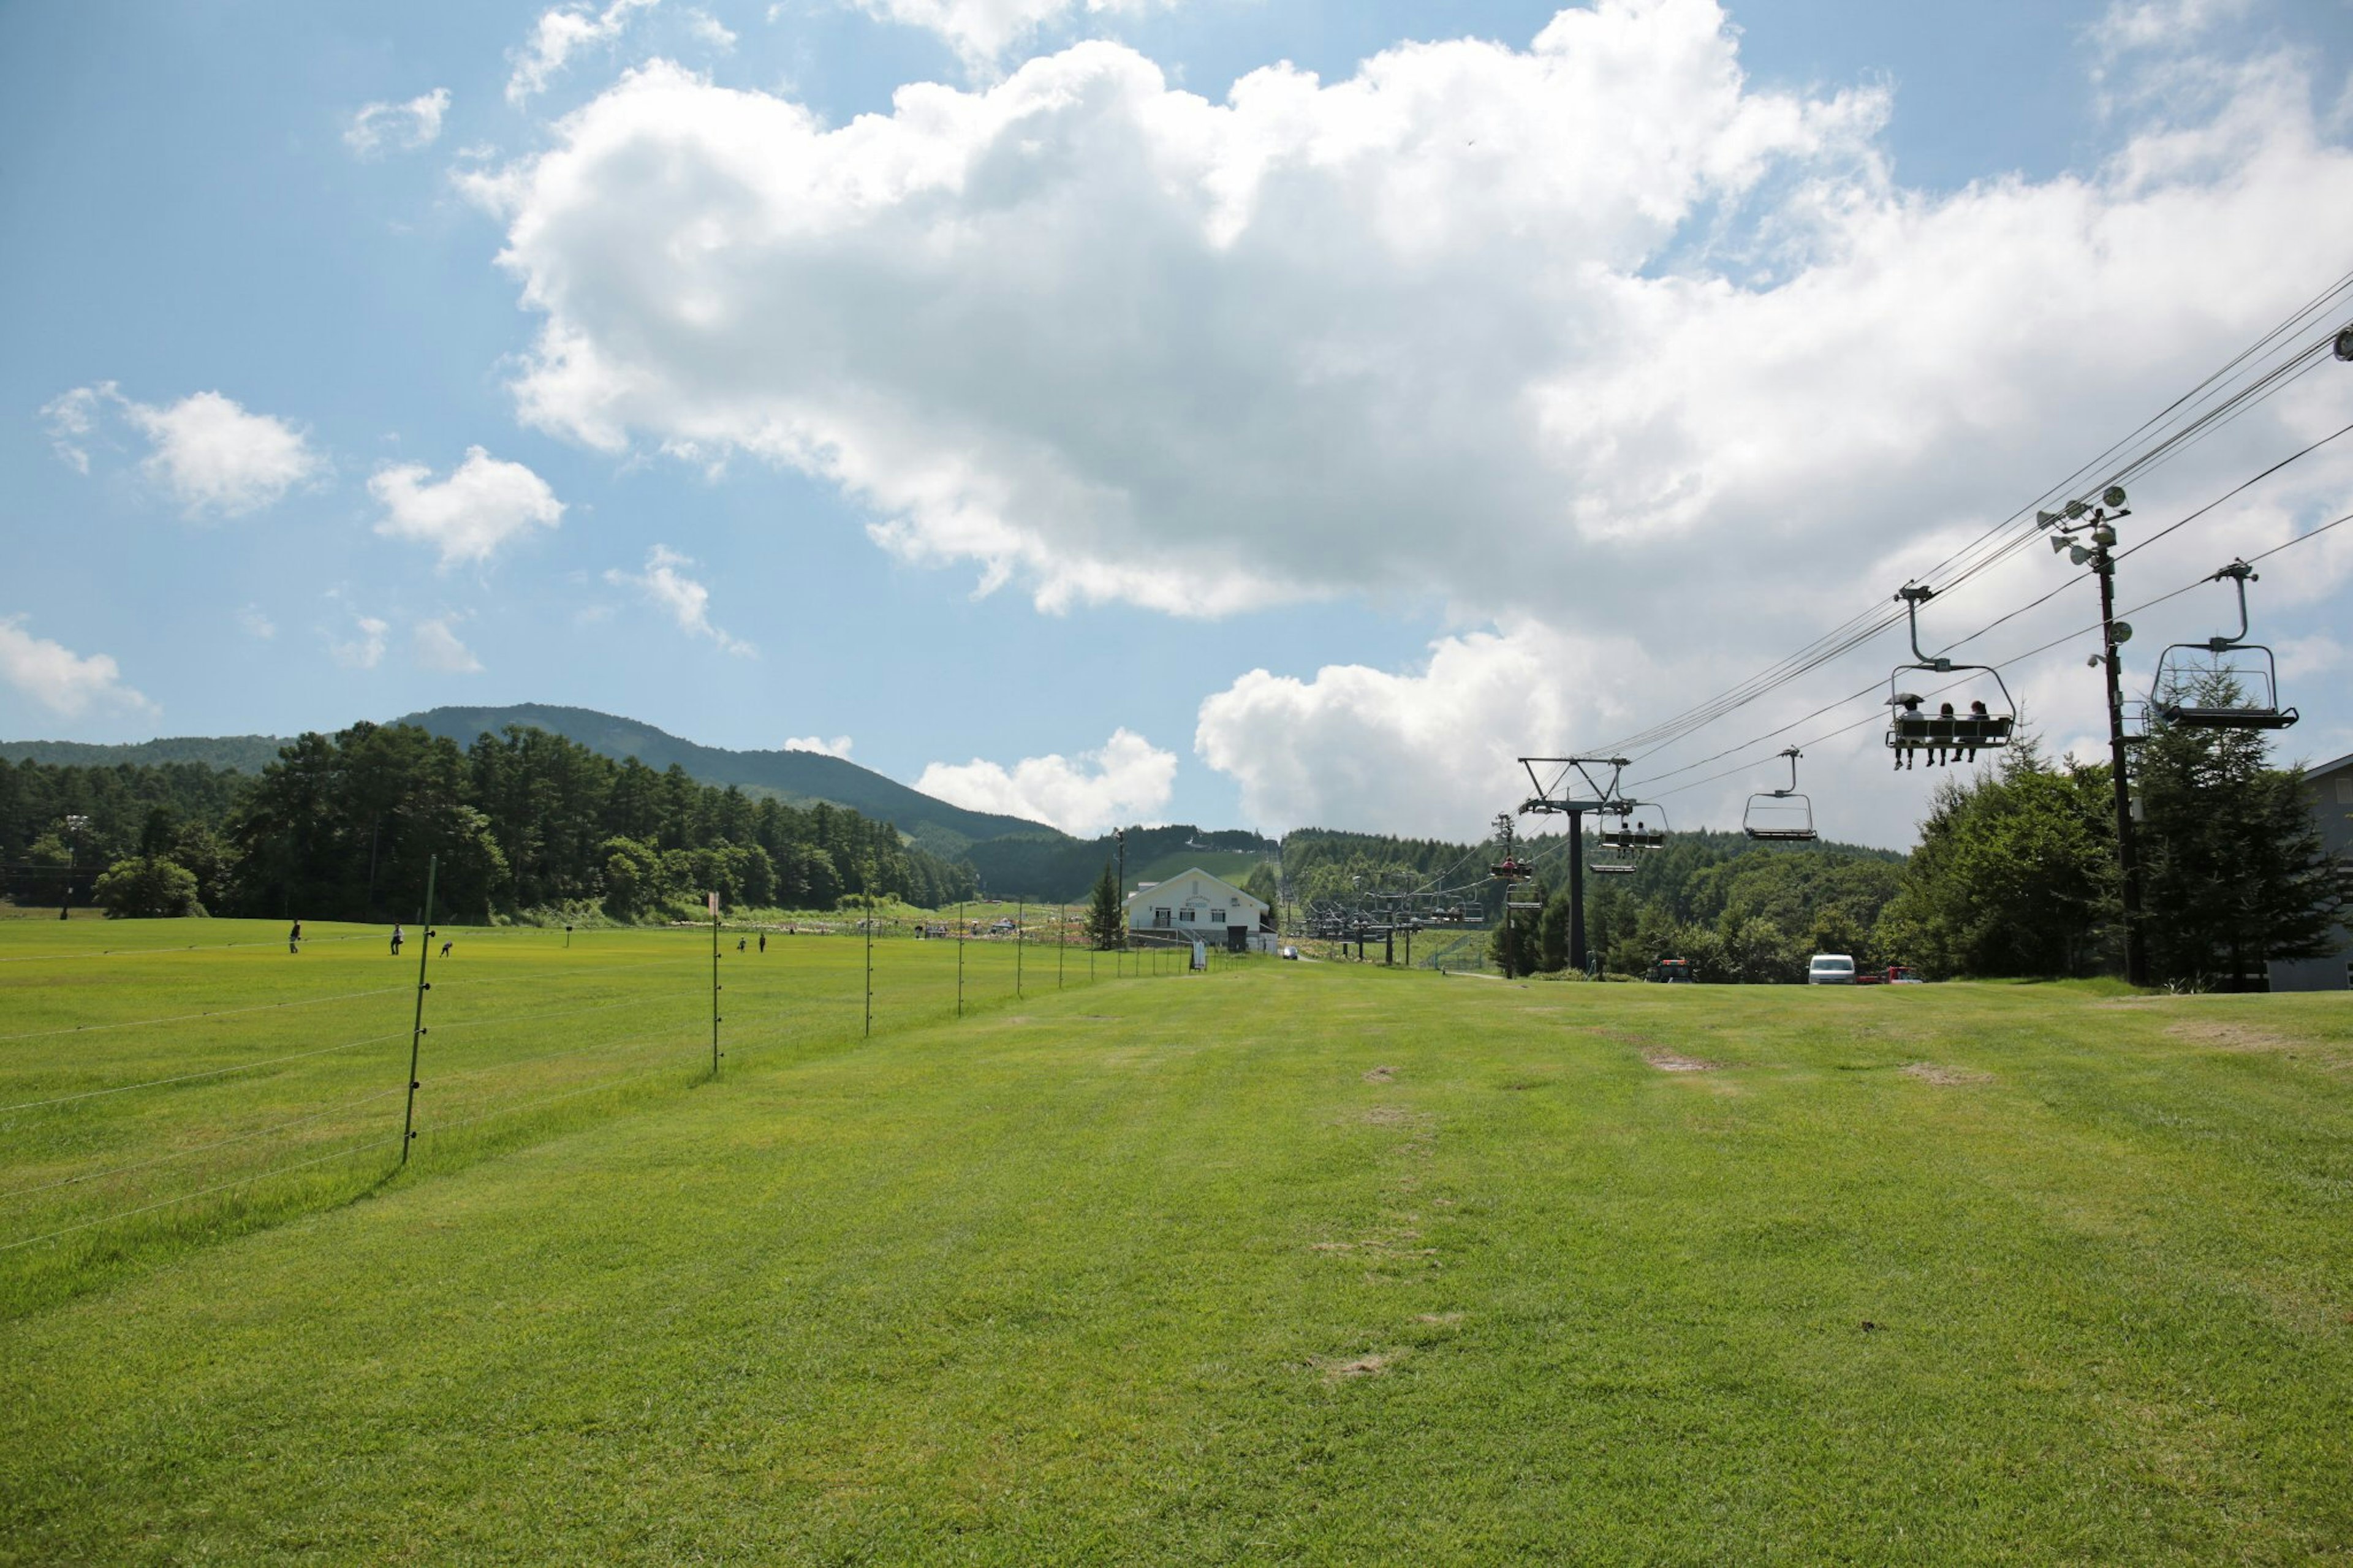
(1128, 780)
(484, 505)
(561, 33)
(1522, 329)
(836, 747)
(685, 600)
(363, 650)
(65, 682)
(206, 449)
(984, 31)
(379, 127)
(438, 649)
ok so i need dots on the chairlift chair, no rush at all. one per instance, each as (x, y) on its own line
(2186, 671)
(1631, 833)
(1611, 862)
(1909, 728)
(1780, 815)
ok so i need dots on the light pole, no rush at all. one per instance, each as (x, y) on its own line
(2098, 524)
(74, 825)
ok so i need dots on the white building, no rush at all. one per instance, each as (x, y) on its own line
(1196, 905)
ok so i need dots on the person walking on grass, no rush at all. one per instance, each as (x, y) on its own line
(763, 942)
(396, 939)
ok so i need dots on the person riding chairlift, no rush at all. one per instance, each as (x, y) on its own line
(1978, 719)
(1911, 711)
(1936, 754)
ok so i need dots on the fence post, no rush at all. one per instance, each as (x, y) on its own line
(417, 1030)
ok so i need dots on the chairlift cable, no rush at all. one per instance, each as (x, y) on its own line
(1847, 636)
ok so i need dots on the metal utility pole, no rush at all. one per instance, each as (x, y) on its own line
(961, 924)
(1020, 935)
(1596, 797)
(417, 1030)
(1119, 838)
(2099, 523)
(715, 985)
(74, 825)
(1062, 941)
(870, 963)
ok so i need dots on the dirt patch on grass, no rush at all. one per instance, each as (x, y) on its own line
(1439, 1320)
(1526, 1084)
(2230, 1036)
(1390, 1116)
(1933, 1072)
(1380, 1075)
(1668, 1062)
(1372, 1365)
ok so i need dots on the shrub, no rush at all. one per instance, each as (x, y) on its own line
(148, 887)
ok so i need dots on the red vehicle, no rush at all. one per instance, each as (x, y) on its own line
(1893, 974)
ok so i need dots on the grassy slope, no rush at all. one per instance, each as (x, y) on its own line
(1107, 1278)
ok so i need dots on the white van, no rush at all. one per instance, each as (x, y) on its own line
(1830, 969)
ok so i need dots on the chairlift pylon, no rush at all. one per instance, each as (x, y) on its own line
(1945, 732)
(2187, 671)
(1780, 815)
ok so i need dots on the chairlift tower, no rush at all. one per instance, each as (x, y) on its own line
(1576, 789)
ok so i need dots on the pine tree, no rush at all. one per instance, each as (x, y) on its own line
(2234, 868)
(1105, 921)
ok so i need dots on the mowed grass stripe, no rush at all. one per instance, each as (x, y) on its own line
(222, 1068)
(1299, 1264)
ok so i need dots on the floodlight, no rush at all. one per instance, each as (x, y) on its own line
(2076, 508)
(2078, 555)
(2112, 497)
(2345, 343)
(2121, 631)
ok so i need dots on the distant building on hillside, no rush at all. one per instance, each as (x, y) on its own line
(2332, 808)
(1195, 904)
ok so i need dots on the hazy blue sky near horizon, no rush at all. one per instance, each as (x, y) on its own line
(1166, 414)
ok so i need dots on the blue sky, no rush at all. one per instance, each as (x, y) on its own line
(1093, 488)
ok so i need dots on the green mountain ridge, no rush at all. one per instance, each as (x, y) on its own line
(798, 777)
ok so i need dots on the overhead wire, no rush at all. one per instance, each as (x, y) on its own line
(2209, 405)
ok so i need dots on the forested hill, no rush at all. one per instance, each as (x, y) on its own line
(799, 778)
(239, 753)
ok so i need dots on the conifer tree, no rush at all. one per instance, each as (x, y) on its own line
(1105, 920)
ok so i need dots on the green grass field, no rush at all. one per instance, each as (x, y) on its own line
(1303, 1263)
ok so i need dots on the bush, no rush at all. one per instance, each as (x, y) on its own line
(148, 887)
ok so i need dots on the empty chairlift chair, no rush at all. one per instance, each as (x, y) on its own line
(2222, 683)
(1951, 733)
(1780, 815)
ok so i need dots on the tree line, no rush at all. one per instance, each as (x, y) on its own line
(341, 826)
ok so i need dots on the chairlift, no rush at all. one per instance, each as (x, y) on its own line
(2186, 672)
(1610, 861)
(1632, 833)
(1910, 728)
(1511, 868)
(1780, 815)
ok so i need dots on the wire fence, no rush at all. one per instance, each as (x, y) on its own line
(195, 1089)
